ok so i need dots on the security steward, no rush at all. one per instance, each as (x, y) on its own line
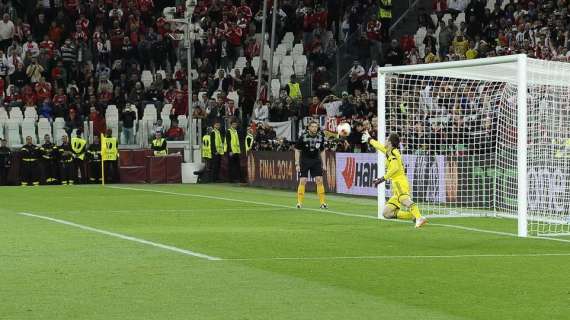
(94, 160)
(67, 170)
(385, 15)
(294, 89)
(207, 153)
(29, 165)
(158, 145)
(79, 147)
(233, 148)
(111, 157)
(49, 152)
(5, 162)
(249, 139)
(217, 148)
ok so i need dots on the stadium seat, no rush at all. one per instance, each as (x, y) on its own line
(183, 122)
(233, 95)
(3, 114)
(16, 113)
(255, 64)
(297, 49)
(194, 74)
(300, 64)
(44, 127)
(146, 78)
(166, 109)
(150, 111)
(31, 113)
(275, 87)
(13, 132)
(162, 73)
(29, 129)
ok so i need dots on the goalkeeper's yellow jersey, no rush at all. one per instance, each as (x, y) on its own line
(395, 166)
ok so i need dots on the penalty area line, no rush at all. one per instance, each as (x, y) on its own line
(459, 256)
(123, 237)
(336, 213)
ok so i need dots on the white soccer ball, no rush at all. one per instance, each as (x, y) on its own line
(343, 129)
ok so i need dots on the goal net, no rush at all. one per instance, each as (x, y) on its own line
(487, 137)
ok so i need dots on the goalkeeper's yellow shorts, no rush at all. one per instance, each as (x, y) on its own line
(400, 191)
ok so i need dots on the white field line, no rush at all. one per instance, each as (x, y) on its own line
(334, 212)
(459, 256)
(122, 236)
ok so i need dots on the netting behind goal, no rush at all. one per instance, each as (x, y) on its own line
(459, 140)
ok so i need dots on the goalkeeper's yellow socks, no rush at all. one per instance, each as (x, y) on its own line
(300, 194)
(321, 193)
(415, 211)
(404, 215)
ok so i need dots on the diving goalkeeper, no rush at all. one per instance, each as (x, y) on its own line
(396, 172)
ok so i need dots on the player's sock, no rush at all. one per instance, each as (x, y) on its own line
(415, 211)
(404, 215)
(321, 192)
(300, 194)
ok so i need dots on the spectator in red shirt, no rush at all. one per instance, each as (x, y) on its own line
(42, 89)
(316, 107)
(175, 133)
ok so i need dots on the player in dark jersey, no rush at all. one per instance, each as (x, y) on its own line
(309, 159)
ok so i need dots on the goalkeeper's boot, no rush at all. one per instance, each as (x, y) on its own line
(324, 206)
(420, 222)
(299, 206)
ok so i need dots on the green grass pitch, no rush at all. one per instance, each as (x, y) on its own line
(271, 261)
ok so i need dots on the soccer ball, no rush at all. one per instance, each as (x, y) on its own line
(343, 129)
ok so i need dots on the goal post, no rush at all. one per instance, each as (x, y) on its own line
(485, 137)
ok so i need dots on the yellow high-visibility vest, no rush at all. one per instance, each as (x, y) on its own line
(295, 91)
(218, 142)
(385, 11)
(234, 143)
(109, 150)
(159, 147)
(206, 147)
(249, 142)
(78, 147)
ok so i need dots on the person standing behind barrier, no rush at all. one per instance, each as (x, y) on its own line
(158, 145)
(207, 154)
(232, 146)
(5, 162)
(94, 160)
(111, 157)
(67, 174)
(78, 146)
(217, 147)
(29, 167)
(49, 159)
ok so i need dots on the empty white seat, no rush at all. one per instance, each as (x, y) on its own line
(150, 110)
(255, 64)
(300, 65)
(298, 48)
(16, 113)
(44, 127)
(233, 95)
(241, 61)
(31, 113)
(146, 78)
(166, 110)
(287, 61)
(162, 73)
(3, 114)
(13, 131)
(275, 87)
(2, 125)
(183, 122)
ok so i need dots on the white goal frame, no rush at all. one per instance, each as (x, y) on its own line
(521, 71)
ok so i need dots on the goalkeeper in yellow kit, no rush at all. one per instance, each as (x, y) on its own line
(395, 172)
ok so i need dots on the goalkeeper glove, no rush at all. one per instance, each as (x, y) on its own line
(366, 137)
(378, 181)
